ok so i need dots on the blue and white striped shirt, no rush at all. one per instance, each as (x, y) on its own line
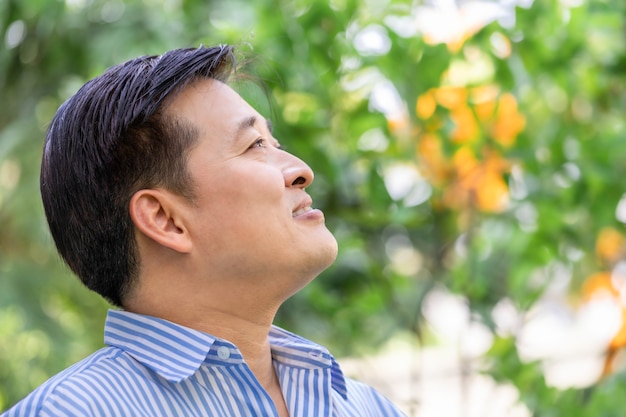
(153, 367)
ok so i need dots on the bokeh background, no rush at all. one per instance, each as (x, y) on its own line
(470, 157)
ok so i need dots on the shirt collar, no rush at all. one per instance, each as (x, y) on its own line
(293, 350)
(176, 352)
(172, 351)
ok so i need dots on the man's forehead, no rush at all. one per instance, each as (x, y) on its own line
(209, 100)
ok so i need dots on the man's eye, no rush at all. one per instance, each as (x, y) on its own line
(259, 143)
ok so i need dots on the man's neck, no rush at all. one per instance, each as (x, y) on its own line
(249, 332)
(251, 337)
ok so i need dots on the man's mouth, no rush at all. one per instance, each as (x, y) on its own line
(300, 211)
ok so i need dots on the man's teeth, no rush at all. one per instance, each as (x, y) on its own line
(301, 211)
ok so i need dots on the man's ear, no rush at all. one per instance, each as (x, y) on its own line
(156, 214)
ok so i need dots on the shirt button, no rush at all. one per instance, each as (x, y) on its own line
(223, 352)
(315, 354)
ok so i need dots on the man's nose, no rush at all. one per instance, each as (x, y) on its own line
(295, 171)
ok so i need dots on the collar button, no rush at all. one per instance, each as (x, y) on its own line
(315, 354)
(223, 353)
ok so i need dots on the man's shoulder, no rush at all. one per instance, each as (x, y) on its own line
(81, 376)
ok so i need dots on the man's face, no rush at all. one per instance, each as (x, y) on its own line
(252, 220)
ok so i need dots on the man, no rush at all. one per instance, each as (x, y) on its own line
(167, 194)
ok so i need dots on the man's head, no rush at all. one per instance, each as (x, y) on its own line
(111, 139)
(161, 184)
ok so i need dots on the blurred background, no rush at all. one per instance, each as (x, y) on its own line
(470, 157)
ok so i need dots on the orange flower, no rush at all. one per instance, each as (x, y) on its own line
(466, 129)
(599, 284)
(484, 101)
(426, 105)
(468, 180)
(451, 97)
(433, 162)
(609, 245)
(493, 195)
(616, 344)
(619, 340)
(464, 162)
(398, 125)
(479, 184)
(509, 122)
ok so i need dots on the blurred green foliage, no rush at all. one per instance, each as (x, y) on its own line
(326, 65)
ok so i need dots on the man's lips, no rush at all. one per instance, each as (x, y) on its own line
(301, 211)
(303, 207)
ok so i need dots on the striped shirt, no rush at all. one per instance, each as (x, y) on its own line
(152, 367)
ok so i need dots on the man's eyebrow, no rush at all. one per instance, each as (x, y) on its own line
(249, 122)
